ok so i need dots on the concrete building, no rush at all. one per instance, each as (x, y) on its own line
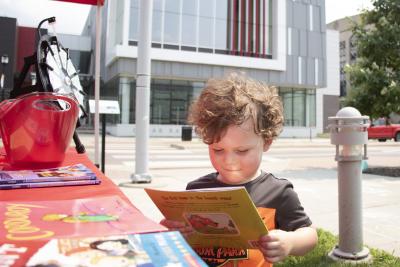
(282, 43)
(347, 48)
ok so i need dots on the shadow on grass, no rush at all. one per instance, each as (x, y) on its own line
(319, 256)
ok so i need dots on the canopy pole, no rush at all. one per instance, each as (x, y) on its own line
(97, 84)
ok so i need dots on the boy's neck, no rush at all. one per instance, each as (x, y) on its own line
(255, 176)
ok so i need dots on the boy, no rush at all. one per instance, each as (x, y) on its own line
(238, 118)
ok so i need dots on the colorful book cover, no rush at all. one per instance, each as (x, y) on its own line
(67, 173)
(141, 250)
(219, 217)
(49, 184)
(40, 220)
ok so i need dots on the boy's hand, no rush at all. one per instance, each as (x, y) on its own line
(276, 245)
(177, 226)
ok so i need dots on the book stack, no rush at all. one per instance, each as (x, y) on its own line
(77, 174)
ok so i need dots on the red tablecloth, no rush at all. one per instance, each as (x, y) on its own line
(16, 253)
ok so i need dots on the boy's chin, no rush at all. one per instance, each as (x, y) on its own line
(233, 179)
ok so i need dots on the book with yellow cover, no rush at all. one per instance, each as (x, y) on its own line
(219, 217)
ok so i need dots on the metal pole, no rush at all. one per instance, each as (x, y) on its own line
(97, 85)
(103, 143)
(348, 133)
(350, 199)
(143, 93)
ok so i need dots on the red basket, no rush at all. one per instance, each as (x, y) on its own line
(38, 127)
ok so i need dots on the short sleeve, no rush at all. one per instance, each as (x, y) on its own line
(290, 213)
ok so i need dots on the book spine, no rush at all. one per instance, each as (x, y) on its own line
(66, 173)
(48, 179)
(49, 184)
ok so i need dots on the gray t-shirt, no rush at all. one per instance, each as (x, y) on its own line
(267, 191)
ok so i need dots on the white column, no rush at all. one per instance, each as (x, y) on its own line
(143, 93)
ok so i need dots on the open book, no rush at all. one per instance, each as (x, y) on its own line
(219, 217)
(141, 250)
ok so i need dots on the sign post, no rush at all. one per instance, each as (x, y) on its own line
(105, 107)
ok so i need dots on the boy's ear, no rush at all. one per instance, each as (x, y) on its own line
(267, 144)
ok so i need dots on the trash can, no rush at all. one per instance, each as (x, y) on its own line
(187, 133)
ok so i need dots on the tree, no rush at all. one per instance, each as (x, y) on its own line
(375, 77)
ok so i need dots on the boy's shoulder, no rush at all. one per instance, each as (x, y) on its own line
(206, 181)
(271, 179)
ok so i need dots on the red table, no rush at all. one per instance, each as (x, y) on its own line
(16, 253)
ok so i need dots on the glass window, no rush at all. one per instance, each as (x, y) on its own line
(221, 24)
(206, 22)
(171, 21)
(189, 22)
(311, 108)
(287, 101)
(170, 100)
(133, 20)
(119, 16)
(268, 28)
(157, 20)
(299, 111)
(160, 98)
(299, 107)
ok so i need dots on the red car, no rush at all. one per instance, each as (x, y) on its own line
(382, 131)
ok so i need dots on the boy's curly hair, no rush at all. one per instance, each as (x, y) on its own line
(231, 101)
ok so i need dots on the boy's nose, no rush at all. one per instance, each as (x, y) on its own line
(229, 159)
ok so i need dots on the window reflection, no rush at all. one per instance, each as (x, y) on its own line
(133, 20)
(236, 27)
(157, 20)
(299, 106)
(171, 21)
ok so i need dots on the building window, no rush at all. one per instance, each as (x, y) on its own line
(171, 21)
(236, 27)
(169, 100)
(299, 107)
(189, 23)
(133, 20)
(221, 25)
(157, 21)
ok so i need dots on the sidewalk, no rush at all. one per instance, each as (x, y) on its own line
(314, 179)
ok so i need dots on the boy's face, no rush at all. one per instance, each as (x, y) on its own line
(237, 156)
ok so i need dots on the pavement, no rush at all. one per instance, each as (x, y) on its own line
(311, 168)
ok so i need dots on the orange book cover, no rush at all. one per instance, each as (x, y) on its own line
(219, 217)
(40, 220)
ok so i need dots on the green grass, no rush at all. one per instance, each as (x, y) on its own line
(319, 256)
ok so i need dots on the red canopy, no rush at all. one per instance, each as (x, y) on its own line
(86, 2)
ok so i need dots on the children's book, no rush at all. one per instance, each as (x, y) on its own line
(66, 173)
(219, 217)
(26, 221)
(141, 250)
(49, 184)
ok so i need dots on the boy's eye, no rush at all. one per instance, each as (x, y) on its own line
(242, 151)
(216, 150)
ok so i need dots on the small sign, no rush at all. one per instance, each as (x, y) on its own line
(105, 106)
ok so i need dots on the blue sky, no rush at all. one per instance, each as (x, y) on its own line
(71, 17)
